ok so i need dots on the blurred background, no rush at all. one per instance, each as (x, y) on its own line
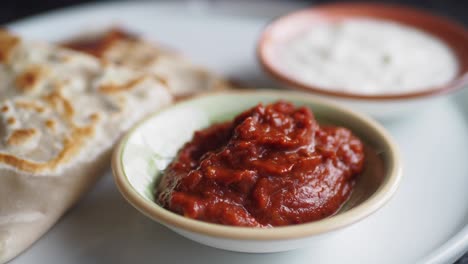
(15, 9)
(12, 10)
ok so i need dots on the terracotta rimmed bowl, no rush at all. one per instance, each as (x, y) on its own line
(281, 30)
(143, 154)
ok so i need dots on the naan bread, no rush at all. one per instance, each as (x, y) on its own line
(122, 48)
(61, 111)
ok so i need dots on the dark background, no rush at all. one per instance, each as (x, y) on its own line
(17, 9)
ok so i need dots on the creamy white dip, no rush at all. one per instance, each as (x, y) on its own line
(366, 56)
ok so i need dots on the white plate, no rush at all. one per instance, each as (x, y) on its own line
(426, 221)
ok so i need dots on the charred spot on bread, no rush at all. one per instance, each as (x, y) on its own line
(94, 117)
(50, 124)
(11, 121)
(97, 45)
(30, 78)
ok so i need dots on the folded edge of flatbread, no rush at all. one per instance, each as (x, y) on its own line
(121, 47)
(61, 112)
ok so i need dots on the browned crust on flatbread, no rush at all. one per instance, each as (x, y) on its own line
(71, 146)
(98, 45)
(110, 88)
(50, 124)
(95, 117)
(30, 105)
(7, 44)
(21, 136)
(26, 75)
(61, 105)
(28, 80)
(11, 121)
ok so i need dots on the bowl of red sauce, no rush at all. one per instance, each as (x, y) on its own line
(257, 171)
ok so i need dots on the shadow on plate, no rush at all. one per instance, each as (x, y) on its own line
(104, 228)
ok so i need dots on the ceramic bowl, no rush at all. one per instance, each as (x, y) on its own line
(384, 106)
(143, 154)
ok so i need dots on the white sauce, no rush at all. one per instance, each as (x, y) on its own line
(365, 56)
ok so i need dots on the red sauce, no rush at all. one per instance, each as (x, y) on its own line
(272, 166)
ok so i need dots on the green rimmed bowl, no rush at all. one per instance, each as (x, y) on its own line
(143, 154)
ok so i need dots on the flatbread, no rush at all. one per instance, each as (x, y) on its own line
(61, 111)
(119, 47)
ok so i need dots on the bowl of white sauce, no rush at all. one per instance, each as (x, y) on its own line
(379, 59)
